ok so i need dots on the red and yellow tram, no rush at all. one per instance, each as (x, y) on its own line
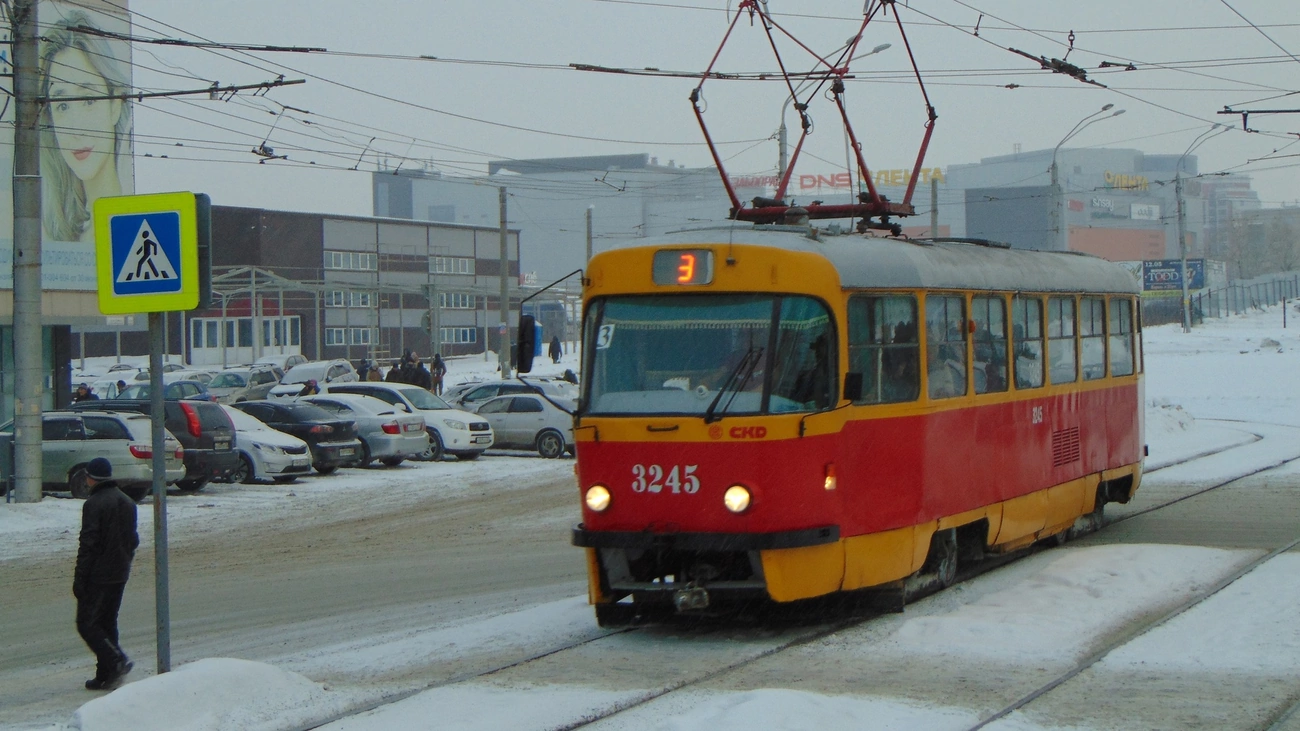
(772, 412)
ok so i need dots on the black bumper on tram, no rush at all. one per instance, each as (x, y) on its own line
(720, 542)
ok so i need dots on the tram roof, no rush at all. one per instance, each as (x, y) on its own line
(871, 262)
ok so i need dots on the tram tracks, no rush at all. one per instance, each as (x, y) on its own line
(793, 638)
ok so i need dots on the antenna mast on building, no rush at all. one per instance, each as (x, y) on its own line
(827, 74)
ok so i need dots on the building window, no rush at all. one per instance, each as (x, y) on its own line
(456, 301)
(359, 335)
(348, 298)
(351, 260)
(459, 335)
(451, 265)
(336, 335)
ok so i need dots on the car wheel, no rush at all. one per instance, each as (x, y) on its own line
(468, 456)
(77, 483)
(550, 444)
(191, 486)
(137, 492)
(244, 473)
(392, 461)
(325, 469)
(434, 452)
(365, 459)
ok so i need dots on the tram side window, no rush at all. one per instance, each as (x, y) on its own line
(1121, 337)
(804, 361)
(1060, 339)
(883, 348)
(1027, 340)
(990, 316)
(945, 338)
(1092, 337)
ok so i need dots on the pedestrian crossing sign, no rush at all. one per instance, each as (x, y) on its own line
(147, 253)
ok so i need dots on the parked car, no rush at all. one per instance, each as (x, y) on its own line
(469, 398)
(245, 383)
(388, 433)
(333, 441)
(266, 453)
(178, 374)
(201, 427)
(105, 387)
(321, 371)
(451, 431)
(69, 440)
(282, 361)
(175, 391)
(528, 421)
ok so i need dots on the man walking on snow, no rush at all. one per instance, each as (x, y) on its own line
(106, 547)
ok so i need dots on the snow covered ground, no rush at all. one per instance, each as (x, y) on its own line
(1205, 392)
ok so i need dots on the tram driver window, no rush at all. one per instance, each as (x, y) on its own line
(1121, 337)
(1092, 337)
(1060, 339)
(1027, 340)
(990, 316)
(945, 339)
(883, 348)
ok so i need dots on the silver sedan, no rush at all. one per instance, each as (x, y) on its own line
(528, 421)
(386, 434)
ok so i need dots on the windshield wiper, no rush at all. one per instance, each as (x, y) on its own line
(740, 376)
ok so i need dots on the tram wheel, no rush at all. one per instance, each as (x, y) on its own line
(942, 560)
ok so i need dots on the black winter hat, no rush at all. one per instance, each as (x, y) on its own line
(100, 469)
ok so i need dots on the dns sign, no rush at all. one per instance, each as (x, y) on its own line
(683, 266)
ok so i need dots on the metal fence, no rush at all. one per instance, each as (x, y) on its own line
(1233, 299)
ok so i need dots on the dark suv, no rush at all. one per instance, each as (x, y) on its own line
(202, 428)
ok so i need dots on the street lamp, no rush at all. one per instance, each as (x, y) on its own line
(1057, 194)
(1202, 138)
(782, 143)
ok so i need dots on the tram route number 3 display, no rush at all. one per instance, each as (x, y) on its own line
(654, 478)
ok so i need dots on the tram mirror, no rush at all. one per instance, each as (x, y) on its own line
(853, 386)
(526, 343)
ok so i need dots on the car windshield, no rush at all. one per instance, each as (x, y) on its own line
(709, 355)
(228, 380)
(423, 400)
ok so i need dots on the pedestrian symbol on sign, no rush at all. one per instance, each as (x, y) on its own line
(146, 260)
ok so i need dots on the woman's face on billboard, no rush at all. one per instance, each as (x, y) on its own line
(84, 130)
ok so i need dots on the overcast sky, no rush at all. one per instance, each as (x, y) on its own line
(501, 87)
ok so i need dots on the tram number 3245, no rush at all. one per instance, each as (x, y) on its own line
(654, 478)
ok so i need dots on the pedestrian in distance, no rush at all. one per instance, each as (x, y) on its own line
(420, 376)
(309, 388)
(556, 349)
(104, 552)
(372, 373)
(121, 386)
(84, 394)
(395, 373)
(439, 369)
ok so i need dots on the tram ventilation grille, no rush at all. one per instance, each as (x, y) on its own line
(1065, 446)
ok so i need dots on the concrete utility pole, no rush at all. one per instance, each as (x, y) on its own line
(503, 356)
(589, 210)
(1182, 245)
(28, 353)
(934, 208)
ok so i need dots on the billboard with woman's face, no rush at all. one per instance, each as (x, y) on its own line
(86, 144)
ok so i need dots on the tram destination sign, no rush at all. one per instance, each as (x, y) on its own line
(1167, 274)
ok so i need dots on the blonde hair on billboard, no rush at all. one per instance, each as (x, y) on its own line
(63, 206)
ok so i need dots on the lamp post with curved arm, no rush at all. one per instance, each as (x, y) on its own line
(1202, 138)
(1060, 241)
(782, 142)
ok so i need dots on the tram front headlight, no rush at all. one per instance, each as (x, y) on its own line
(736, 498)
(597, 498)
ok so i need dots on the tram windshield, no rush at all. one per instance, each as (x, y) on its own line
(710, 355)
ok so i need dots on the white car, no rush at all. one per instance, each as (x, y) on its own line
(528, 421)
(451, 431)
(470, 396)
(265, 453)
(323, 372)
(283, 362)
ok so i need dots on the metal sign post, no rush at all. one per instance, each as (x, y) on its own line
(151, 254)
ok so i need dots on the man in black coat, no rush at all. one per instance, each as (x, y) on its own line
(420, 376)
(107, 545)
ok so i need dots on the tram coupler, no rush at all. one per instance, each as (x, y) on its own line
(692, 598)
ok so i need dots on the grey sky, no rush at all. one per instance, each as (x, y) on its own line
(1183, 77)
